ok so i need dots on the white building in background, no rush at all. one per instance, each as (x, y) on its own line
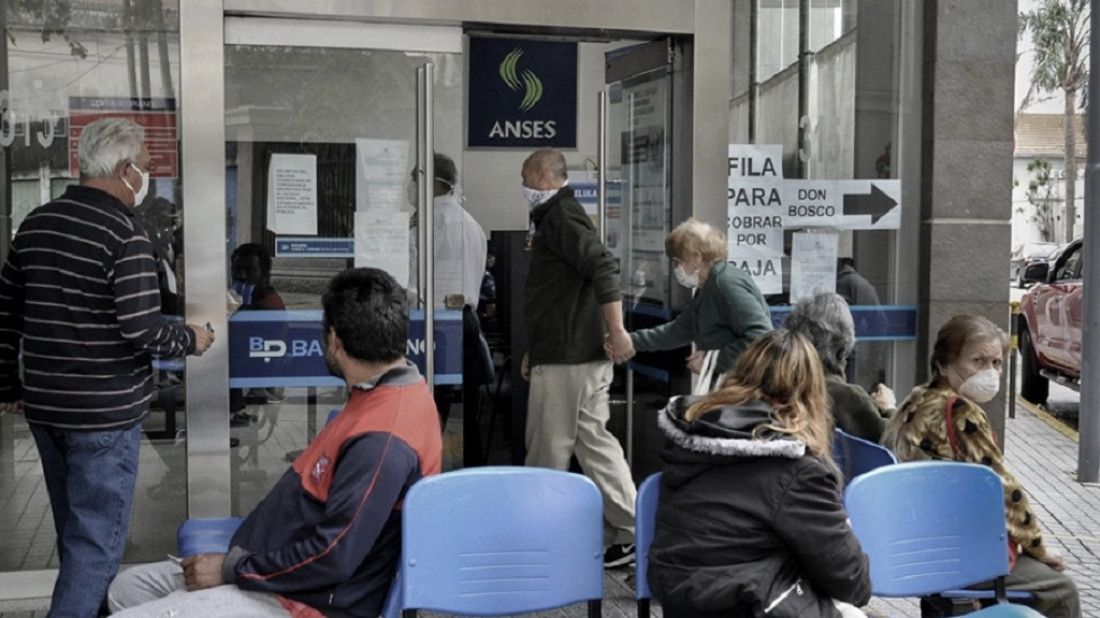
(1042, 136)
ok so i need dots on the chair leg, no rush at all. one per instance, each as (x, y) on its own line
(643, 608)
(595, 608)
(408, 613)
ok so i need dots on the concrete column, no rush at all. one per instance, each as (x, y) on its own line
(967, 141)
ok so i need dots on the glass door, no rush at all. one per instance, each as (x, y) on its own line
(329, 140)
(638, 188)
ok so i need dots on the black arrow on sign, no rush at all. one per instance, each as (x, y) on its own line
(876, 204)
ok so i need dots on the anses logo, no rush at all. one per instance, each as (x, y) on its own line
(531, 84)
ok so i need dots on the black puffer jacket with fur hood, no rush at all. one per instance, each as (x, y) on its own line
(750, 525)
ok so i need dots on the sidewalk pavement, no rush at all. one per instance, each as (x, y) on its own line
(1042, 454)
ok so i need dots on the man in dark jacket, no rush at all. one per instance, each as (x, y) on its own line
(571, 303)
(80, 290)
(326, 539)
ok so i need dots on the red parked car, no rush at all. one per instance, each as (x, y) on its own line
(1050, 324)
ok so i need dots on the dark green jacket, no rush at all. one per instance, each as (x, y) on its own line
(571, 275)
(853, 409)
(727, 314)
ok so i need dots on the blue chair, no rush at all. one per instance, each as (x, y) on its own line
(645, 521)
(206, 535)
(502, 540)
(931, 528)
(855, 456)
(200, 535)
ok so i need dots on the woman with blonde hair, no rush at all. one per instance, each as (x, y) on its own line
(726, 314)
(750, 519)
(942, 420)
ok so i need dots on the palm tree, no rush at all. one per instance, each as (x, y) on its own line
(1059, 31)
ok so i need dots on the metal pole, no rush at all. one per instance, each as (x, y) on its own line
(1088, 454)
(1014, 346)
(802, 160)
(601, 165)
(426, 176)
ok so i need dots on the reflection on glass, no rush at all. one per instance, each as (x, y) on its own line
(65, 69)
(320, 146)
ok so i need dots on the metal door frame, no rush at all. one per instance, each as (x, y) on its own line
(202, 130)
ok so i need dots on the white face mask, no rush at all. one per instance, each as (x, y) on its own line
(534, 197)
(139, 195)
(982, 386)
(686, 280)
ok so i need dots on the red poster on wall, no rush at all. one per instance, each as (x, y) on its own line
(158, 116)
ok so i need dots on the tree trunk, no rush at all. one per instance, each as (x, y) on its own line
(1071, 163)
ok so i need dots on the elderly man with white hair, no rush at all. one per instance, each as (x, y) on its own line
(79, 291)
(826, 321)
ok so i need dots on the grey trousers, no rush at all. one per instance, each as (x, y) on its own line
(1055, 593)
(567, 413)
(157, 590)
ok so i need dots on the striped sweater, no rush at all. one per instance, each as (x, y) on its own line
(80, 289)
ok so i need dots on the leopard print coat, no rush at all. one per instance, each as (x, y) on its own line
(919, 431)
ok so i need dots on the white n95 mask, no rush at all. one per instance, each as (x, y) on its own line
(982, 386)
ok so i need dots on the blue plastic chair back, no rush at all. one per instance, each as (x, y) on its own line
(645, 520)
(858, 456)
(391, 607)
(501, 540)
(204, 535)
(332, 414)
(929, 526)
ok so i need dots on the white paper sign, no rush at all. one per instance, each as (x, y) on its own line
(382, 173)
(813, 264)
(382, 241)
(292, 194)
(755, 213)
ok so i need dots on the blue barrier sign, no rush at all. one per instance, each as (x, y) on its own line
(873, 322)
(522, 94)
(283, 348)
(315, 247)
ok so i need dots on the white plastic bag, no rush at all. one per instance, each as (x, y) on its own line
(701, 384)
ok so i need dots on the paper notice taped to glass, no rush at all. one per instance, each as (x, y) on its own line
(382, 241)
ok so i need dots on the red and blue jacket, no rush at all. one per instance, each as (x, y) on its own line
(327, 537)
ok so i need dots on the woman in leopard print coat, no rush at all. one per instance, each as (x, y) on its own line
(942, 420)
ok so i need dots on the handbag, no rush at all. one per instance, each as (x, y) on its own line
(703, 382)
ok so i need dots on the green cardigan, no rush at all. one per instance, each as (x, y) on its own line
(853, 409)
(727, 314)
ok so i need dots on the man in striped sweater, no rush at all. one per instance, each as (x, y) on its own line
(79, 290)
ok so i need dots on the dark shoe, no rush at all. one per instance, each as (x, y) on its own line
(618, 556)
(234, 442)
(241, 419)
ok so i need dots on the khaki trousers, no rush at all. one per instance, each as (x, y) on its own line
(567, 414)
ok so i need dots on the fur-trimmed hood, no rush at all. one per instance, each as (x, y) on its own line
(720, 437)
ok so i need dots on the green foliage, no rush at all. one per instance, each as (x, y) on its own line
(1059, 32)
(54, 17)
(1042, 194)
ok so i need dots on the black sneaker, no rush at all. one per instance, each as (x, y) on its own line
(618, 556)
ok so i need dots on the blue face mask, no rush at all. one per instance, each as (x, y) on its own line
(245, 291)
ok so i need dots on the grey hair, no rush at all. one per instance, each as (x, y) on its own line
(826, 321)
(107, 142)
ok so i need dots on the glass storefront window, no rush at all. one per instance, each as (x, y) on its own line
(844, 127)
(64, 65)
(339, 125)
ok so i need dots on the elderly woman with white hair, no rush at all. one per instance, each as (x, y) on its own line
(726, 314)
(826, 321)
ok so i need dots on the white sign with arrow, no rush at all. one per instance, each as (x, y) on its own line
(842, 204)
